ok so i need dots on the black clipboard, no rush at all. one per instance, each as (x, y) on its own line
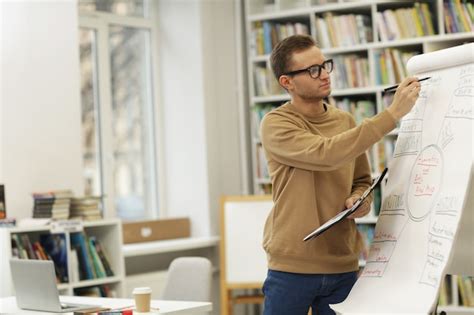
(345, 213)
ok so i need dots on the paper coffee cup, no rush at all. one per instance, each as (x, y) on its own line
(142, 298)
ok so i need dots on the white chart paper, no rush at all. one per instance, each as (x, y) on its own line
(425, 193)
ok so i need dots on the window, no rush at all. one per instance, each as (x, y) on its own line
(89, 100)
(124, 7)
(118, 107)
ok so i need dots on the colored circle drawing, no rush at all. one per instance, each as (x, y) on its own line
(425, 182)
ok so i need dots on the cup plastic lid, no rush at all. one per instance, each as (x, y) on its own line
(143, 290)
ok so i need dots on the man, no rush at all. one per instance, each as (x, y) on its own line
(318, 165)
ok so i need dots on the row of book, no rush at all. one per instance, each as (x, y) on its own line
(466, 290)
(265, 35)
(265, 82)
(7, 222)
(48, 247)
(90, 258)
(52, 204)
(62, 205)
(458, 16)
(405, 22)
(360, 109)
(381, 154)
(343, 30)
(390, 65)
(258, 111)
(465, 286)
(351, 29)
(350, 71)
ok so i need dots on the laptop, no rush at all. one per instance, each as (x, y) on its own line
(35, 287)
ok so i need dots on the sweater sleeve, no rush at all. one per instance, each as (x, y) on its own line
(362, 178)
(291, 144)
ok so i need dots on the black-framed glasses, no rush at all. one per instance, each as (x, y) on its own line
(315, 70)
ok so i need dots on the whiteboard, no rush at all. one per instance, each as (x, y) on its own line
(243, 222)
(426, 192)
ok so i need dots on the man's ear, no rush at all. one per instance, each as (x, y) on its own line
(285, 82)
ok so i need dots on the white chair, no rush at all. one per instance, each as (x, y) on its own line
(189, 279)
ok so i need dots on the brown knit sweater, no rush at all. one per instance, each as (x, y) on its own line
(315, 165)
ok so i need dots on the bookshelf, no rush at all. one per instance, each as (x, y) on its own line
(108, 233)
(370, 42)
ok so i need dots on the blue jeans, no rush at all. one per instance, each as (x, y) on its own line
(293, 293)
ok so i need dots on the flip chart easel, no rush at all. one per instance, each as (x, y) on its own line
(243, 260)
(425, 224)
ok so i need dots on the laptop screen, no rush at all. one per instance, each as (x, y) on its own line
(35, 284)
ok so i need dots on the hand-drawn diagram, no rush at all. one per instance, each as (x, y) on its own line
(427, 194)
(424, 198)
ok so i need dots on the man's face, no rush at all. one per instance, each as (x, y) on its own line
(302, 84)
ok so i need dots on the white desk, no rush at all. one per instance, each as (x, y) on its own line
(8, 305)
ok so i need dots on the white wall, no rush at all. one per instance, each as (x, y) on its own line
(41, 132)
(221, 103)
(200, 109)
(182, 95)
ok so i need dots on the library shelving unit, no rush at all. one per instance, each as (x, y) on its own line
(108, 232)
(370, 42)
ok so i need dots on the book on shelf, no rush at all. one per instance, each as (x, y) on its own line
(343, 30)
(92, 261)
(445, 292)
(265, 35)
(350, 71)
(55, 246)
(466, 292)
(49, 247)
(53, 194)
(458, 16)
(265, 82)
(74, 263)
(78, 242)
(7, 222)
(52, 204)
(259, 110)
(96, 262)
(359, 108)
(391, 65)
(377, 203)
(401, 23)
(86, 208)
(103, 257)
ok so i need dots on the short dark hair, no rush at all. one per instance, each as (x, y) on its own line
(283, 51)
